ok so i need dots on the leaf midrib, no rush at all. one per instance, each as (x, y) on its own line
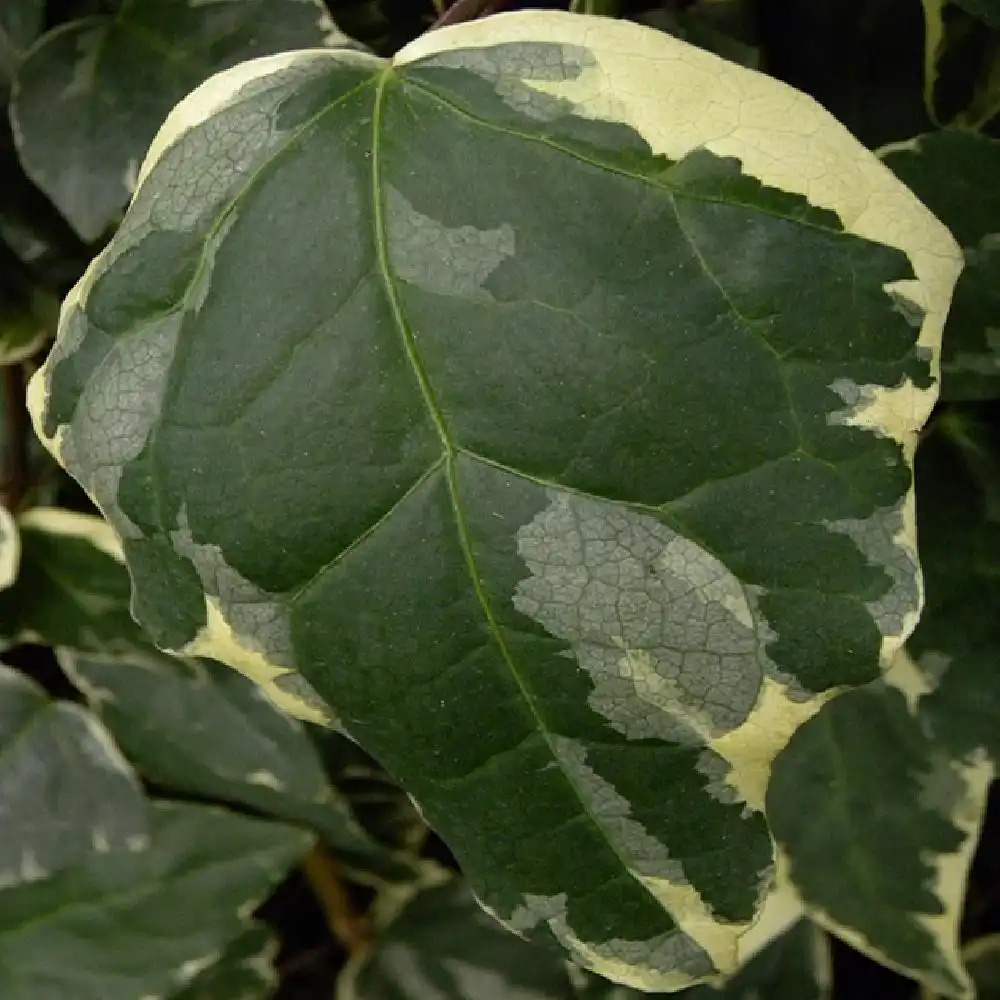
(451, 452)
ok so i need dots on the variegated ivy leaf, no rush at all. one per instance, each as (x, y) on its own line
(201, 728)
(71, 589)
(144, 922)
(540, 404)
(90, 95)
(440, 945)
(892, 780)
(954, 173)
(244, 971)
(66, 792)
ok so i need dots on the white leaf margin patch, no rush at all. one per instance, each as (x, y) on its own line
(974, 776)
(680, 98)
(10, 549)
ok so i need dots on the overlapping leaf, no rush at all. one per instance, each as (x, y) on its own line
(954, 173)
(72, 589)
(66, 792)
(91, 94)
(136, 923)
(892, 780)
(243, 972)
(442, 946)
(201, 728)
(571, 539)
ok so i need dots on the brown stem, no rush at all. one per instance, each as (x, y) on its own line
(467, 10)
(14, 470)
(352, 929)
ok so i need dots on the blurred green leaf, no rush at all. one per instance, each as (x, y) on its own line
(71, 590)
(986, 10)
(243, 972)
(955, 174)
(20, 24)
(443, 946)
(89, 97)
(202, 728)
(127, 924)
(66, 792)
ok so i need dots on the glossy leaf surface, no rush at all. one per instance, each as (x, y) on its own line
(570, 539)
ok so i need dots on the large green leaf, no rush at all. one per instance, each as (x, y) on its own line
(201, 728)
(66, 792)
(955, 174)
(892, 780)
(130, 924)
(90, 95)
(545, 400)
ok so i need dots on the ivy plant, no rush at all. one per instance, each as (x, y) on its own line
(508, 505)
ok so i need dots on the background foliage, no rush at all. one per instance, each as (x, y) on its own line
(164, 831)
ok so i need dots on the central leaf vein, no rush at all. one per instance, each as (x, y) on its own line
(451, 452)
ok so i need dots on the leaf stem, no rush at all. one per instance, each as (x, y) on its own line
(352, 929)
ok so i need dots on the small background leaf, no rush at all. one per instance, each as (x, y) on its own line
(90, 95)
(202, 728)
(244, 971)
(130, 924)
(65, 790)
(955, 174)
(70, 592)
(443, 946)
(20, 24)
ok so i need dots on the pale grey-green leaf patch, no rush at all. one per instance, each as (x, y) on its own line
(571, 541)
(201, 728)
(101, 86)
(141, 923)
(66, 792)
(954, 173)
